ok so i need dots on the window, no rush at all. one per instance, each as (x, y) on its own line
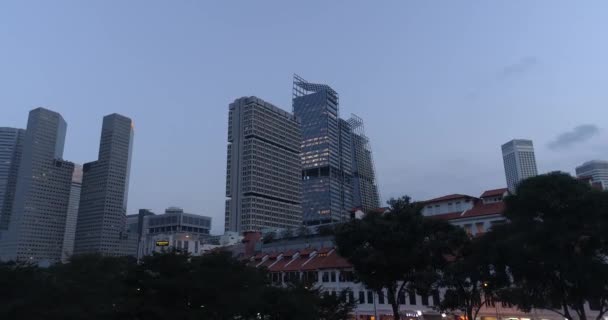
(401, 297)
(381, 297)
(186, 243)
(425, 300)
(361, 297)
(346, 276)
(325, 277)
(436, 299)
(467, 229)
(412, 295)
(351, 296)
(179, 244)
(333, 276)
(479, 227)
(370, 297)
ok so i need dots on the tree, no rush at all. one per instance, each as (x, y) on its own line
(398, 251)
(469, 281)
(554, 246)
(269, 237)
(287, 233)
(303, 231)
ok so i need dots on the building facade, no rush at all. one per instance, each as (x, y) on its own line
(326, 156)
(316, 262)
(365, 187)
(519, 161)
(476, 215)
(263, 184)
(597, 170)
(103, 200)
(72, 215)
(37, 222)
(175, 229)
(11, 144)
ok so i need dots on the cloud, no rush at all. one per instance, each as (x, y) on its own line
(577, 135)
(523, 66)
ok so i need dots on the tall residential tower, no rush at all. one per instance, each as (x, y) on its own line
(327, 194)
(105, 184)
(37, 222)
(519, 161)
(263, 167)
(597, 170)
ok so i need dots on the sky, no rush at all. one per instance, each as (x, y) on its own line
(440, 84)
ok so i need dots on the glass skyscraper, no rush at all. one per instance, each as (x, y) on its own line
(365, 187)
(325, 154)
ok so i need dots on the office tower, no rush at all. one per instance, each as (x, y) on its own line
(263, 168)
(72, 215)
(11, 144)
(365, 188)
(519, 161)
(105, 183)
(37, 223)
(325, 154)
(597, 170)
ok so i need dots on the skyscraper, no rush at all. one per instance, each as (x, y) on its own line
(365, 188)
(72, 215)
(519, 161)
(11, 144)
(105, 184)
(597, 170)
(325, 154)
(37, 222)
(263, 173)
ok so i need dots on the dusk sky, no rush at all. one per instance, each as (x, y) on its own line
(440, 84)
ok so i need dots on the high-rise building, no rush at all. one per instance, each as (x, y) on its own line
(597, 170)
(263, 167)
(11, 144)
(105, 184)
(519, 161)
(327, 194)
(37, 222)
(365, 187)
(72, 216)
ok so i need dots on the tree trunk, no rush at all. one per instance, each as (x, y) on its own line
(392, 299)
(470, 313)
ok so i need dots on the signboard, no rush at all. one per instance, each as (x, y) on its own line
(162, 243)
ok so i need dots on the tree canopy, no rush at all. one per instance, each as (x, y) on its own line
(554, 247)
(398, 251)
(163, 286)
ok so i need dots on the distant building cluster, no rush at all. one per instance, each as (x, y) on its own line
(287, 173)
(309, 167)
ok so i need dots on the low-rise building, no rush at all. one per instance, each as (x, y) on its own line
(175, 229)
(324, 268)
(475, 215)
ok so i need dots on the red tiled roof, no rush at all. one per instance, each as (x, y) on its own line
(480, 209)
(448, 197)
(279, 265)
(494, 192)
(447, 216)
(485, 209)
(306, 252)
(330, 261)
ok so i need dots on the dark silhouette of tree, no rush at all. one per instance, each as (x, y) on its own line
(399, 251)
(554, 246)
